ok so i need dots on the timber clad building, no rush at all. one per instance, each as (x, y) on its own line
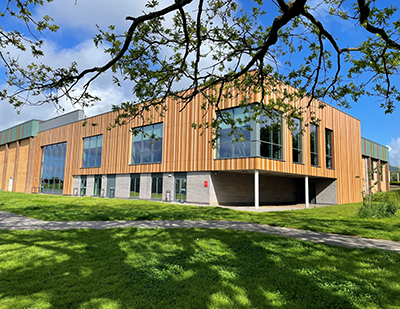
(327, 164)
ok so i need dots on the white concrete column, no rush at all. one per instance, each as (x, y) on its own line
(256, 189)
(307, 193)
(397, 176)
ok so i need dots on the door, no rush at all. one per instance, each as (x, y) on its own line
(83, 185)
(110, 186)
(10, 184)
(180, 190)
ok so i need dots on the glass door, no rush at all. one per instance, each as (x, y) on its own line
(83, 185)
(180, 190)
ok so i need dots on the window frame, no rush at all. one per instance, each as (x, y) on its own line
(329, 157)
(299, 138)
(314, 153)
(96, 156)
(235, 146)
(271, 145)
(153, 143)
(52, 169)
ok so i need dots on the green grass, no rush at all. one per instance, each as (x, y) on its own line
(189, 268)
(340, 219)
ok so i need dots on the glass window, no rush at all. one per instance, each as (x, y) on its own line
(228, 144)
(92, 147)
(156, 186)
(271, 136)
(328, 148)
(296, 141)
(52, 170)
(97, 185)
(314, 145)
(135, 185)
(147, 145)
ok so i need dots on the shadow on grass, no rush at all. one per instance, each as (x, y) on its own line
(189, 268)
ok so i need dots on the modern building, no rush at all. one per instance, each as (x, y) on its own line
(74, 155)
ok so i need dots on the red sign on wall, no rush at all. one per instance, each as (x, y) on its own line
(205, 184)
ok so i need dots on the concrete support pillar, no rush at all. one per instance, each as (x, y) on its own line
(256, 189)
(307, 193)
(397, 176)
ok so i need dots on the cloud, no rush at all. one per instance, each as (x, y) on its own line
(87, 55)
(394, 151)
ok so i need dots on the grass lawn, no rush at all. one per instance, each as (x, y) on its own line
(340, 219)
(189, 268)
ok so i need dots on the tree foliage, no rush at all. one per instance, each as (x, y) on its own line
(218, 50)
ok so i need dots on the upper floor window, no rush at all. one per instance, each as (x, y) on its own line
(328, 148)
(92, 151)
(296, 141)
(147, 144)
(237, 144)
(271, 136)
(314, 145)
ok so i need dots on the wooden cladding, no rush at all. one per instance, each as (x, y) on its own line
(185, 149)
(14, 164)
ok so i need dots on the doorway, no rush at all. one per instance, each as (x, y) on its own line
(110, 186)
(83, 185)
(180, 188)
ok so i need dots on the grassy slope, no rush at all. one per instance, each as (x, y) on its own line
(338, 219)
(189, 268)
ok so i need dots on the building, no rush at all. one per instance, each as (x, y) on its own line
(272, 166)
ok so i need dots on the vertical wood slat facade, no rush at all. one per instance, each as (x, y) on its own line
(186, 149)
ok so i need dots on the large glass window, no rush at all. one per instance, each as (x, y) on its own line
(328, 148)
(314, 145)
(92, 147)
(53, 166)
(228, 144)
(296, 141)
(156, 186)
(271, 136)
(147, 145)
(135, 185)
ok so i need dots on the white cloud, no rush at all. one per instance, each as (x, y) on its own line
(87, 56)
(394, 151)
(85, 14)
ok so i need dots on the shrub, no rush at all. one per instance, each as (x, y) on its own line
(396, 183)
(384, 205)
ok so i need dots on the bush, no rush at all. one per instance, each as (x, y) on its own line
(396, 183)
(384, 205)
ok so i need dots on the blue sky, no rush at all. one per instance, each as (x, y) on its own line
(73, 42)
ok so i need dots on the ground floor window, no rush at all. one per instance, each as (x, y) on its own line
(83, 185)
(156, 186)
(97, 185)
(135, 185)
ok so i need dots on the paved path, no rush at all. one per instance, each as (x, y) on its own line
(9, 221)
